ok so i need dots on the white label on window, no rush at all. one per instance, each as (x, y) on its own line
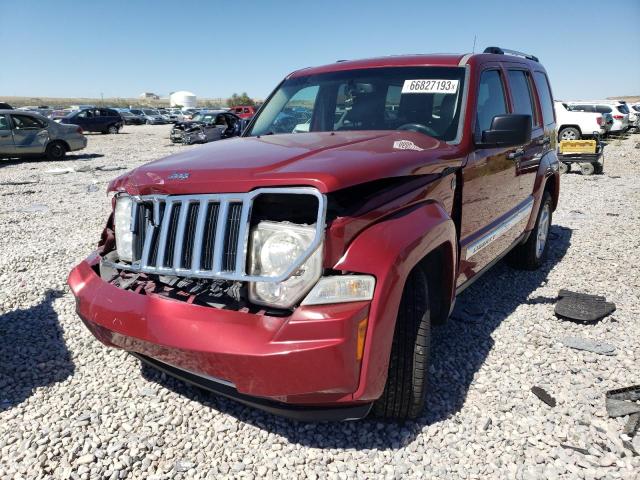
(430, 86)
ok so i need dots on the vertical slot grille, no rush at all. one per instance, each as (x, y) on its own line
(189, 236)
(210, 225)
(231, 238)
(172, 218)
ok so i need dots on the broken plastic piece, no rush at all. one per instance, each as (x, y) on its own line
(593, 346)
(583, 451)
(623, 401)
(543, 395)
(633, 424)
(582, 307)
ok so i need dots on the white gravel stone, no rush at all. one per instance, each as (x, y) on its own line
(72, 408)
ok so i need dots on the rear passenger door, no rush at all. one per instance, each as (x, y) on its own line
(30, 135)
(524, 101)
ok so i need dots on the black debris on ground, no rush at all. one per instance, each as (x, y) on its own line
(582, 307)
(543, 395)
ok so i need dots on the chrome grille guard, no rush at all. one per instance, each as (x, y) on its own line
(210, 243)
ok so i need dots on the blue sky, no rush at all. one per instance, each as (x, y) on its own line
(67, 48)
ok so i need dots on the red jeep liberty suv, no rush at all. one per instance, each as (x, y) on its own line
(300, 270)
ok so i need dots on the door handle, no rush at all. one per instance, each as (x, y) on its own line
(516, 154)
(544, 141)
(4, 136)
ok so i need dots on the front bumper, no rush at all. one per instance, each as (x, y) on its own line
(304, 364)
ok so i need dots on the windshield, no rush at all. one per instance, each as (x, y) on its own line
(150, 112)
(422, 99)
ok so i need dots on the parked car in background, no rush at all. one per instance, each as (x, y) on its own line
(244, 111)
(5, 106)
(188, 113)
(130, 118)
(43, 110)
(151, 116)
(103, 120)
(620, 118)
(207, 126)
(574, 125)
(29, 134)
(303, 273)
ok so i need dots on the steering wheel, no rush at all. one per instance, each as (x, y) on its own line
(418, 127)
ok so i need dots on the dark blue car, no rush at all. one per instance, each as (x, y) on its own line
(104, 120)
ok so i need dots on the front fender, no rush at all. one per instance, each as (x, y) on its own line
(389, 250)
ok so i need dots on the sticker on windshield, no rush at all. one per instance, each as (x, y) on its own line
(430, 86)
(406, 145)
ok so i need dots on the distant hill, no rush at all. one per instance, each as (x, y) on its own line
(630, 99)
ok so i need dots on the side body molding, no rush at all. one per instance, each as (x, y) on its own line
(389, 250)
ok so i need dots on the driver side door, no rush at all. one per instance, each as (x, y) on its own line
(491, 186)
(30, 135)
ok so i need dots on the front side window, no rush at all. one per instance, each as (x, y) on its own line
(422, 99)
(491, 100)
(521, 95)
(4, 122)
(24, 122)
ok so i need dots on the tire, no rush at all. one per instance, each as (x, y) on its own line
(55, 151)
(564, 168)
(587, 169)
(404, 393)
(569, 133)
(531, 254)
(113, 129)
(599, 168)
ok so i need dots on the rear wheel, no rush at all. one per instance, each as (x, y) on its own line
(404, 393)
(55, 151)
(531, 254)
(569, 133)
(113, 129)
(587, 168)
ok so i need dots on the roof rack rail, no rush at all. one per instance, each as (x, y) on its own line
(504, 51)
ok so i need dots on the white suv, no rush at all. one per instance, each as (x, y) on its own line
(615, 108)
(574, 125)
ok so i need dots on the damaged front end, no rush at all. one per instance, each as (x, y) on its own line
(188, 133)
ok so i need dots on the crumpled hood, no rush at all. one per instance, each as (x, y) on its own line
(327, 160)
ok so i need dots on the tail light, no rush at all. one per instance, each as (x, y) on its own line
(600, 120)
(618, 117)
(79, 130)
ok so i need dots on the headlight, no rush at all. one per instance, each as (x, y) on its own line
(341, 289)
(124, 235)
(274, 248)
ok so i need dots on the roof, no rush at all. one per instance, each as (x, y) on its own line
(438, 59)
(426, 60)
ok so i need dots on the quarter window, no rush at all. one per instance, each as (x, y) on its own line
(544, 94)
(491, 100)
(521, 95)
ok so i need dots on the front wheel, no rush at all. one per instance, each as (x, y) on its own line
(532, 253)
(55, 151)
(404, 393)
(113, 129)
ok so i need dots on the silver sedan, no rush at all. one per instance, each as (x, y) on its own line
(28, 134)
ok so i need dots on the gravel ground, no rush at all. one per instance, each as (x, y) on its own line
(71, 408)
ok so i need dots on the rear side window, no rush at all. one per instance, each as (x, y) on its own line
(4, 122)
(521, 94)
(544, 94)
(23, 122)
(491, 100)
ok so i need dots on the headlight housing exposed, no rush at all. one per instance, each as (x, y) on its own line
(122, 223)
(274, 248)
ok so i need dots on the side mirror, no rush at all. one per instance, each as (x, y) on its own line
(507, 131)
